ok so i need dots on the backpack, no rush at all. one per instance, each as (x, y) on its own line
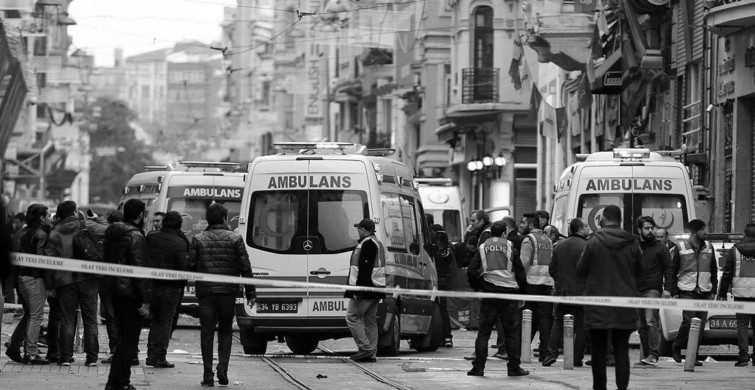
(86, 246)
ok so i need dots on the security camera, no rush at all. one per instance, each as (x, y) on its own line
(33, 101)
(710, 108)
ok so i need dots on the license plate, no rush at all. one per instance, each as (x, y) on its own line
(189, 290)
(722, 323)
(277, 307)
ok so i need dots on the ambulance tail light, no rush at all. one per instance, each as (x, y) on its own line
(376, 167)
(636, 153)
(379, 177)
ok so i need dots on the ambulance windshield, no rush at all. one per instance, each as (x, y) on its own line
(450, 220)
(301, 221)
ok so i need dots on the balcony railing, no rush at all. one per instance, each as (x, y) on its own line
(479, 85)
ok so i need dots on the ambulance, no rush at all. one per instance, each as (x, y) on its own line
(188, 187)
(297, 218)
(444, 201)
(640, 182)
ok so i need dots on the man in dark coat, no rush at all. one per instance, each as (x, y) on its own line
(125, 244)
(612, 262)
(218, 250)
(168, 249)
(563, 269)
(656, 261)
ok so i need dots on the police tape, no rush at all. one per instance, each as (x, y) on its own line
(72, 265)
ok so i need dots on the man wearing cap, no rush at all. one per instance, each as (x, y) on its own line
(696, 277)
(367, 269)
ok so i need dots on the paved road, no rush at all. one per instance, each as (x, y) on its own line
(443, 369)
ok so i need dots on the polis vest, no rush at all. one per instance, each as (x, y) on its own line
(743, 283)
(694, 269)
(542, 252)
(497, 269)
(378, 269)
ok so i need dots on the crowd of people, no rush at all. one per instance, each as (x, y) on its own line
(126, 304)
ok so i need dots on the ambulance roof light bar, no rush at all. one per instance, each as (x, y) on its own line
(223, 166)
(434, 181)
(631, 153)
(319, 148)
(150, 168)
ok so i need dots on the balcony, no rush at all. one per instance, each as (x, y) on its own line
(729, 16)
(479, 85)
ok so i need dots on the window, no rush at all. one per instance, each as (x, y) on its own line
(668, 211)
(558, 216)
(450, 221)
(483, 37)
(40, 46)
(400, 223)
(193, 211)
(282, 218)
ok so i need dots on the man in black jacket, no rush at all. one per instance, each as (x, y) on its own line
(367, 269)
(125, 244)
(218, 250)
(498, 270)
(168, 249)
(656, 261)
(563, 269)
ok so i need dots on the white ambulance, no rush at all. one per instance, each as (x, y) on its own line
(297, 219)
(444, 202)
(188, 187)
(640, 182)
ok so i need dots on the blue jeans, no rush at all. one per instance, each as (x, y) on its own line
(361, 317)
(216, 310)
(83, 295)
(19, 334)
(34, 292)
(162, 305)
(511, 319)
(650, 326)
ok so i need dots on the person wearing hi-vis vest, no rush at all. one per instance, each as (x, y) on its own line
(696, 276)
(498, 269)
(739, 274)
(367, 269)
(537, 250)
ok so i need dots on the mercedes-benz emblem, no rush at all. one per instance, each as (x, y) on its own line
(308, 245)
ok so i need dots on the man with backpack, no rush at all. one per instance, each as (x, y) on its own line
(71, 238)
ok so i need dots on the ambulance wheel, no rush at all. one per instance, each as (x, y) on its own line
(302, 344)
(253, 344)
(434, 337)
(389, 343)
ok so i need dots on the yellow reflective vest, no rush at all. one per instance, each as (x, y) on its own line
(497, 267)
(542, 252)
(378, 269)
(694, 268)
(743, 282)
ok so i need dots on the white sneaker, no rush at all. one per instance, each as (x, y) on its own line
(650, 361)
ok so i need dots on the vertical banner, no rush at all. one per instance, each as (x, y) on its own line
(315, 84)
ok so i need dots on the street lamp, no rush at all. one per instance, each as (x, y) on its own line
(487, 161)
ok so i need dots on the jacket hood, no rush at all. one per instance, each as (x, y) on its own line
(614, 237)
(119, 229)
(746, 248)
(68, 225)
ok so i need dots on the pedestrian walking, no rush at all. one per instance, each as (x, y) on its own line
(695, 276)
(367, 269)
(567, 282)
(656, 263)
(536, 254)
(444, 260)
(612, 263)
(168, 249)
(739, 274)
(125, 244)
(32, 280)
(74, 290)
(218, 250)
(498, 269)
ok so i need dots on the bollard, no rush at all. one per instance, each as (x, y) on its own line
(78, 333)
(568, 342)
(526, 336)
(692, 341)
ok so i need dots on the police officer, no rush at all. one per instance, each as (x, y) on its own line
(498, 269)
(739, 273)
(367, 270)
(537, 251)
(696, 276)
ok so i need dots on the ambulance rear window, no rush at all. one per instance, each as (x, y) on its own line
(193, 211)
(281, 219)
(669, 211)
